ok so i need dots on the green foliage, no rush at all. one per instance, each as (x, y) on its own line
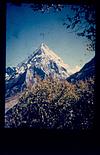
(54, 103)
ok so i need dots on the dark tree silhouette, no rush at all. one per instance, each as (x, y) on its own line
(46, 7)
(82, 22)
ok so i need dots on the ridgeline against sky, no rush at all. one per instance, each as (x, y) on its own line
(26, 30)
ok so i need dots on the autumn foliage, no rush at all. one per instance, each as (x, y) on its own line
(54, 104)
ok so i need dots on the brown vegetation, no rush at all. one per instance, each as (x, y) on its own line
(54, 103)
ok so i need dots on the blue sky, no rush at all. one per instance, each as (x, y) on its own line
(23, 36)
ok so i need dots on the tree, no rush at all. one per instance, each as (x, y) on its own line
(54, 104)
(81, 22)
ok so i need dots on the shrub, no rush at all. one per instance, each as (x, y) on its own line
(53, 103)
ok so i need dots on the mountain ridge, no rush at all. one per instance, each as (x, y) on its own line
(87, 71)
(42, 62)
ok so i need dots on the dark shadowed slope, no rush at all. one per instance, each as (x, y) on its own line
(86, 72)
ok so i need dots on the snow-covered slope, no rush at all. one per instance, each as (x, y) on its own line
(9, 72)
(46, 60)
(42, 62)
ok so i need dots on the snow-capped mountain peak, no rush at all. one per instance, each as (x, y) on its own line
(49, 54)
(44, 48)
(42, 62)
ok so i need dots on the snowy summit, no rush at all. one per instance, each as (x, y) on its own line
(42, 62)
